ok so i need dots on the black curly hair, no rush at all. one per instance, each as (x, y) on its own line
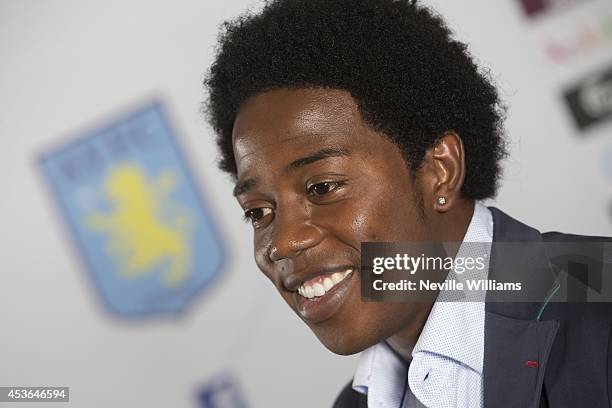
(410, 79)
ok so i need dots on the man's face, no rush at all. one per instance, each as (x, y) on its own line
(316, 181)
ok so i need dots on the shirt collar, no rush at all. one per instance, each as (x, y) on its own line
(380, 375)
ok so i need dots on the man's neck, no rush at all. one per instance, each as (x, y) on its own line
(449, 230)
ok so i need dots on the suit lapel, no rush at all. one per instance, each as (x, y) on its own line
(517, 345)
(516, 354)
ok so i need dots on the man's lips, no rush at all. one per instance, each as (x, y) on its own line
(294, 281)
(319, 294)
(319, 285)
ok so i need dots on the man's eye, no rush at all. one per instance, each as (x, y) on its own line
(256, 214)
(323, 188)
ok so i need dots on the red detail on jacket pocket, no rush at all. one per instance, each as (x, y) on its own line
(532, 364)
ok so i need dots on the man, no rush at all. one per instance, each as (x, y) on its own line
(350, 121)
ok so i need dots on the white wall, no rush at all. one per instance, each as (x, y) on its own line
(66, 66)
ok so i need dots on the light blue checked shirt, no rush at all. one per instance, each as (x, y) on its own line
(446, 366)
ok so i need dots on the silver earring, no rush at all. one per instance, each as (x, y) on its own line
(442, 200)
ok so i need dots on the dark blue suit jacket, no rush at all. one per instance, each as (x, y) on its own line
(570, 341)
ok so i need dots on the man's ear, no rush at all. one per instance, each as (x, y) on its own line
(443, 173)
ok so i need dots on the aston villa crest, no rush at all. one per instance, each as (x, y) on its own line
(140, 224)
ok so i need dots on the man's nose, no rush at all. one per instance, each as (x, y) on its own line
(292, 234)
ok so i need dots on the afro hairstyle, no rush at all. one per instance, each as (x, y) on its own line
(409, 78)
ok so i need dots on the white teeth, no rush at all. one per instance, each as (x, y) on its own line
(319, 289)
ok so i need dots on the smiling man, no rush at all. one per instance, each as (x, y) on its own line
(351, 121)
(316, 182)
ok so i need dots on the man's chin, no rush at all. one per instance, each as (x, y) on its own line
(342, 344)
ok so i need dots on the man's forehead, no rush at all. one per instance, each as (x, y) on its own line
(246, 149)
(292, 118)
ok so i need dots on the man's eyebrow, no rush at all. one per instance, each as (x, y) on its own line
(316, 156)
(244, 186)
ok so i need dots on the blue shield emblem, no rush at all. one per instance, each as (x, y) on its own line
(135, 213)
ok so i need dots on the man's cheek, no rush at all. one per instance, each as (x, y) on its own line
(350, 220)
(363, 228)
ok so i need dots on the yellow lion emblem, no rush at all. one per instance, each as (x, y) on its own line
(146, 228)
